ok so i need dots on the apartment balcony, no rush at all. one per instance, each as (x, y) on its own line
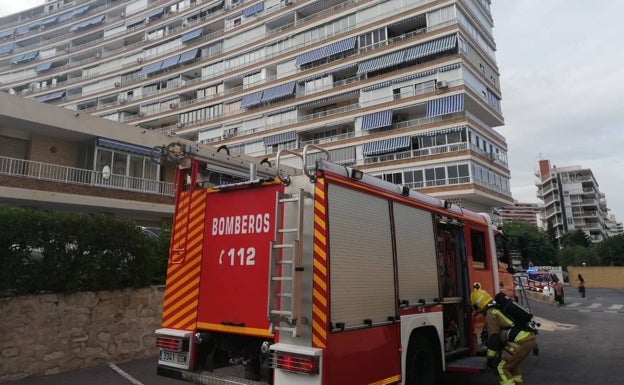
(584, 214)
(455, 147)
(552, 211)
(585, 202)
(40, 171)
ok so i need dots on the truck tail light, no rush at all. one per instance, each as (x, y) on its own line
(170, 343)
(297, 363)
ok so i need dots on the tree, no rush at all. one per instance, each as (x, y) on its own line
(552, 235)
(576, 237)
(531, 242)
(576, 255)
(610, 252)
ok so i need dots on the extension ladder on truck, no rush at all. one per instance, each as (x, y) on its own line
(286, 265)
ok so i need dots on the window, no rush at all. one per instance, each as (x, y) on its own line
(396, 178)
(479, 253)
(120, 162)
(103, 158)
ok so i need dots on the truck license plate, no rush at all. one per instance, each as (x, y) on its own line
(179, 359)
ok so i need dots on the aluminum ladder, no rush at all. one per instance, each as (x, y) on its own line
(286, 268)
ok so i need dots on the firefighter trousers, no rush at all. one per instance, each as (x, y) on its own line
(511, 360)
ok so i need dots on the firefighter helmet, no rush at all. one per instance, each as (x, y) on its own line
(480, 298)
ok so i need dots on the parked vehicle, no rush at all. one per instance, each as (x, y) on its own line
(539, 280)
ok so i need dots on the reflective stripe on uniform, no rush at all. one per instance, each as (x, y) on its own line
(522, 335)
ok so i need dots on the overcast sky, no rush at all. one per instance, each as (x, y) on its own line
(562, 79)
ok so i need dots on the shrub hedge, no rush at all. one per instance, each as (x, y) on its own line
(58, 252)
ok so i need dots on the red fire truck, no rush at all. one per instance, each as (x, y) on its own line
(324, 275)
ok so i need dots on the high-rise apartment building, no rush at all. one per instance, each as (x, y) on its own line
(407, 90)
(572, 200)
(519, 211)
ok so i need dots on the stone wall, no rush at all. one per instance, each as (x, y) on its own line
(47, 334)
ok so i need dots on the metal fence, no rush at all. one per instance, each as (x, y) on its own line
(63, 174)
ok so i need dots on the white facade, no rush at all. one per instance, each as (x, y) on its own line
(405, 90)
(572, 201)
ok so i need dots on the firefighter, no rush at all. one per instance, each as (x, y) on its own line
(507, 346)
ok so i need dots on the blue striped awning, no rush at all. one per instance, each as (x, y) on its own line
(328, 99)
(441, 132)
(414, 76)
(281, 111)
(431, 48)
(445, 105)
(121, 146)
(377, 120)
(188, 56)
(381, 62)
(278, 91)
(340, 46)
(327, 51)
(22, 30)
(53, 96)
(283, 137)
(7, 33)
(309, 57)
(449, 67)
(44, 66)
(249, 11)
(411, 19)
(66, 16)
(251, 99)
(24, 57)
(151, 68)
(387, 145)
(192, 35)
(48, 21)
(84, 24)
(80, 10)
(377, 86)
(7, 48)
(316, 6)
(155, 12)
(170, 62)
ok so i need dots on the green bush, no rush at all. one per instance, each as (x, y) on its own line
(43, 251)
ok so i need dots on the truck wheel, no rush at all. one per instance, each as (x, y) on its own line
(422, 362)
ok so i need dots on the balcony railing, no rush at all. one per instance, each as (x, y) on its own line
(415, 153)
(71, 175)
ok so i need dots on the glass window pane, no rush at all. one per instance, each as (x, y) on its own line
(429, 174)
(136, 166)
(454, 137)
(103, 158)
(452, 171)
(440, 173)
(418, 176)
(462, 170)
(119, 164)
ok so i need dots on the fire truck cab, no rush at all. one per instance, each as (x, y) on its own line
(324, 275)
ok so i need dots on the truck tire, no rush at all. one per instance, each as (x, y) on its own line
(422, 363)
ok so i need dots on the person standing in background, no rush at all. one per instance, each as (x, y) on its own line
(581, 285)
(558, 289)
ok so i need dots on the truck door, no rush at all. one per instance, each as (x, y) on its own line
(240, 225)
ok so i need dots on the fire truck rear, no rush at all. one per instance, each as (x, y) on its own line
(326, 276)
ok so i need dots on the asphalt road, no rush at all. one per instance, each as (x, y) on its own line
(579, 345)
